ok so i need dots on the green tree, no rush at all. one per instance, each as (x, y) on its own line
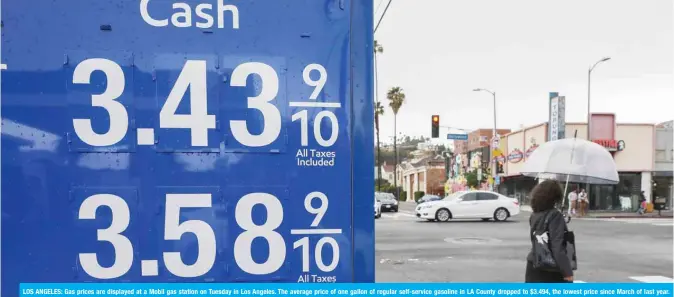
(396, 98)
(471, 179)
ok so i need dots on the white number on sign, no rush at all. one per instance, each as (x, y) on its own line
(174, 230)
(317, 84)
(319, 254)
(193, 76)
(304, 126)
(121, 244)
(303, 243)
(119, 118)
(270, 114)
(243, 243)
(320, 211)
(317, 128)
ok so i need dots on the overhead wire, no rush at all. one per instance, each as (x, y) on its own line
(378, 6)
(382, 15)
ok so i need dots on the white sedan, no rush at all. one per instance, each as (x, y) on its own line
(377, 208)
(483, 205)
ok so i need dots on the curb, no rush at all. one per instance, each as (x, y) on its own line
(632, 217)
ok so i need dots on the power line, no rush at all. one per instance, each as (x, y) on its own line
(378, 6)
(382, 15)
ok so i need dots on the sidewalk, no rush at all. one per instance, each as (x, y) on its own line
(666, 214)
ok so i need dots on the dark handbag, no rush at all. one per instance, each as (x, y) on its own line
(543, 259)
(570, 240)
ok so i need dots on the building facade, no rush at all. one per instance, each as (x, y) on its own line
(664, 162)
(633, 147)
(387, 172)
(473, 155)
(482, 138)
(422, 175)
(460, 147)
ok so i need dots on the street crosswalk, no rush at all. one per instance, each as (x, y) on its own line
(398, 215)
(643, 279)
(647, 221)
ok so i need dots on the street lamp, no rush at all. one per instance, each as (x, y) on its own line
(494, 169)
(589, 76)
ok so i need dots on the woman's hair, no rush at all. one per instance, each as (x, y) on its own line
(545, 195)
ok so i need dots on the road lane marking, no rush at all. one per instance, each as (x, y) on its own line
(579, 281)
(652, 279)
(397, 216)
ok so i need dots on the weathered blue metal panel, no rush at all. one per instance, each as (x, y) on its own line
(195, 141)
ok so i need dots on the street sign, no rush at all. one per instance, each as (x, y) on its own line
(457, 136)
(144, 143)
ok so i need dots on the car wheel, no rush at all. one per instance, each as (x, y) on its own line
(443, 215)
(501, 214)
(486, 219)
(395, 210)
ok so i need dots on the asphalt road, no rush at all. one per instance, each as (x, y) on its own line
(619, 250)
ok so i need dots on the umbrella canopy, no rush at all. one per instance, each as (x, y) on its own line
(573, 160)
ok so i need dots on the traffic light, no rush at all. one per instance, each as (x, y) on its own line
(435, 126)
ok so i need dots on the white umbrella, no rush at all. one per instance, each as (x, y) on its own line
(572, 160)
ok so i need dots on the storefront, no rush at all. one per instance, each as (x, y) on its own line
(662, 173)
(631, 145)
(516, 148)
(663, 185)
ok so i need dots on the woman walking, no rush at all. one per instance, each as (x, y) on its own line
(547, 261)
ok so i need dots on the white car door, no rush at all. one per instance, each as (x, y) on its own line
(486, 204)
(464, 207)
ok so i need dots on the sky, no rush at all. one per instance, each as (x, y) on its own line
(438, 51)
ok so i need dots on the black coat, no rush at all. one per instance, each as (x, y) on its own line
(556, 230)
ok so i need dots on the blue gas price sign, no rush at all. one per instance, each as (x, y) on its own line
(195, 141)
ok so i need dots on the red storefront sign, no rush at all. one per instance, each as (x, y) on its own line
(611, 145)
(515, 156)
(531, 150)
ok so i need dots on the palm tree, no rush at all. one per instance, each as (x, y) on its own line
(378, 108)
(378, 111)
(396, 98)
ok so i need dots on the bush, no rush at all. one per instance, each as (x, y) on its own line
(418, 195)
(403, 196)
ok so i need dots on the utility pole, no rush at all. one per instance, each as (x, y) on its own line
(492, 145)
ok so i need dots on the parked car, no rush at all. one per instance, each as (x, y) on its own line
(428, 198)
(483, 205)
(388, 201)
(377, 208)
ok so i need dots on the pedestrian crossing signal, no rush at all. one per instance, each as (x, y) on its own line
(435, 126)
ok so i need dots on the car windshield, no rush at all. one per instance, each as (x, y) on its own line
(453, 196)
(384, 196)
